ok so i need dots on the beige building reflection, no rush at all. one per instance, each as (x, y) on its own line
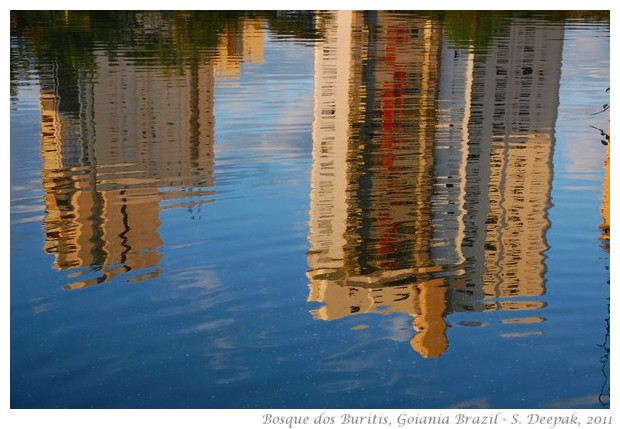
(240, 42)
(119, 145)
(515, 98)
(431, 172)
(371, 178)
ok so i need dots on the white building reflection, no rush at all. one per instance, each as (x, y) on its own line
(431, 171)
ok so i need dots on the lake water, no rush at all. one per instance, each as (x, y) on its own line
(309, 210)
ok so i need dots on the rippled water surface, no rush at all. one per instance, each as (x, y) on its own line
(309, 210)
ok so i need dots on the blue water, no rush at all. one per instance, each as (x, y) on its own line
(301, 249)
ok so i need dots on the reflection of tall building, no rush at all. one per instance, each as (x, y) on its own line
(111, 141)
(513, 111)
(431, 171)
(394, 173)
(124, 141)
(242, 41)
(375, 120)
(333, 69)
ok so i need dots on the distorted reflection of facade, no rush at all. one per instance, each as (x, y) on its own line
(119, 144)
(514, 103)
(241, 42)
(431, 171)
(373, 133)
